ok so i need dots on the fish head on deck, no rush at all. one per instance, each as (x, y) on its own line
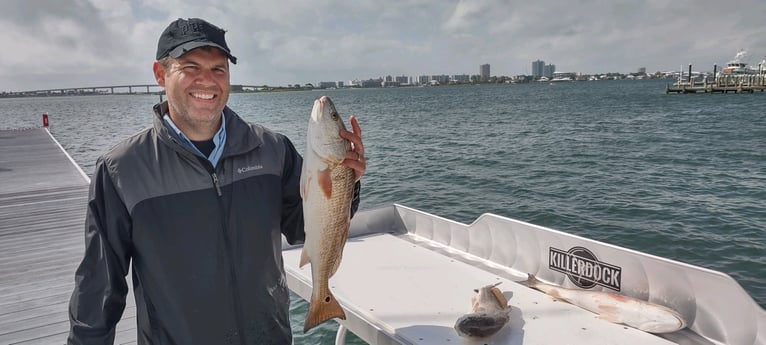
(324, 131)
(491, 312)
(489, 299)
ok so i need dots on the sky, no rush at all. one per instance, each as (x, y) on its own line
(80, 43)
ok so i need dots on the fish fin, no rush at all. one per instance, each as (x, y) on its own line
(304, 258)
(608, 309)
(499, 297)
(322, 309)
(325, 182)
(555, 294)
(609, 313)
(531, 280)
(610, 317)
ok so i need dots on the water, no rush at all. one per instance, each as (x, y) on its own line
(679, 176)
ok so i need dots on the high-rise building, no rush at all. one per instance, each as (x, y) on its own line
(537, 68)
(484, 72)
(548, 70)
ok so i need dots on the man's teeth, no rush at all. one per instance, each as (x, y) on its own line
(203, 95)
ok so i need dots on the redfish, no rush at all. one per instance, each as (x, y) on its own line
(327, 189)
(616, 308)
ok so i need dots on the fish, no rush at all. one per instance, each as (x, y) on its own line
(327, 189)
(490, 312)
(616, 308)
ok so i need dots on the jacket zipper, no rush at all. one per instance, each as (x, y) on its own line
(215, 184)
(236, 299)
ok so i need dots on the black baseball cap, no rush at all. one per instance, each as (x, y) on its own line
(183, 35)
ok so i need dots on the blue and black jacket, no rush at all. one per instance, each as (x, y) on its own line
(204, 242)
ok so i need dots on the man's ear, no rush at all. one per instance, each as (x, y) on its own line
(159, 73)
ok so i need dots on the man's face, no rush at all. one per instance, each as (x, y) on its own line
(197, 87)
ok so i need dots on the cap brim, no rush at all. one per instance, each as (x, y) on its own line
(188, 46)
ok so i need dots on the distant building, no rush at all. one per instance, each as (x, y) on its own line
(340, 84)
(548, 70)
(440, 79)
(327, 84)
(402, 79)
(537, 68)
(642, 70)
(484, 72)
(372, 82)
(461, 78)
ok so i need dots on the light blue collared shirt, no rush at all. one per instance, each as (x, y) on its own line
(219, 139)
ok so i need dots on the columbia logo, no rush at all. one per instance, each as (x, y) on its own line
(250, 168)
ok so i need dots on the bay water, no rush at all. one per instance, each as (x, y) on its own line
(678, 176)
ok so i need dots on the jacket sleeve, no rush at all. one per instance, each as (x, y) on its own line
(292, 207)
(355, 201)
(100, 289)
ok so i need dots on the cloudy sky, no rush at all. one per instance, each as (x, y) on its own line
(71, 43)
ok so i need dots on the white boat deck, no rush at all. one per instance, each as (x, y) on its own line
(407, 276)
(414, 295)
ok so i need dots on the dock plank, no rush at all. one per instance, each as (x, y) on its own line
(43, 197)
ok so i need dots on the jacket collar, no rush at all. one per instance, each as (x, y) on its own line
(240, 136)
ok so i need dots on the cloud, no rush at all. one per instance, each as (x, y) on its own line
(56, 44)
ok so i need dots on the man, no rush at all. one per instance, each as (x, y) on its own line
(196, 205)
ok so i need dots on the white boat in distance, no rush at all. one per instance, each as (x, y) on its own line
(561, 79)
(739, 65)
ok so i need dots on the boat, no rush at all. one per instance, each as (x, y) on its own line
(407, 276)
(738, 66)
(561, 79)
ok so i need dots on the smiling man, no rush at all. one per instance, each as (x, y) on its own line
(196, 205)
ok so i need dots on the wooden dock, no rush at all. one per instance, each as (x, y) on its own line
(43, 196)
(721, 84)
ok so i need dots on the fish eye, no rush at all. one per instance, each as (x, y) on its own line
(334, 115)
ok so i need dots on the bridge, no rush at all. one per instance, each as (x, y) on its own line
(135, 89)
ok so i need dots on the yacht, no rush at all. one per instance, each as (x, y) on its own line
(738, 65)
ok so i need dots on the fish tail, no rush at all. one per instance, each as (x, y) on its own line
(321, 309)
(531, 281)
